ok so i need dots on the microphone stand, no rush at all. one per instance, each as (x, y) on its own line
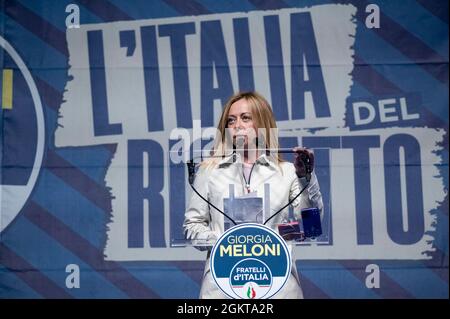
(305, 159)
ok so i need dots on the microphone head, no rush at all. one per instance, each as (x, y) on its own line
(191, 171)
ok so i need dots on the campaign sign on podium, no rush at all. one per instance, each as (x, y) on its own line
(250, 261)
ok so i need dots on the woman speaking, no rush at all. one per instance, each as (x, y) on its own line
(247, 119)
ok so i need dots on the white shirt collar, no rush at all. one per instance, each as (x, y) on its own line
(236, 158)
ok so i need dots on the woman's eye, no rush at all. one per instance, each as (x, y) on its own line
(246, 118)
(231, 120)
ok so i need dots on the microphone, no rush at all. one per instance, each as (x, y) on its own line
(191, 171)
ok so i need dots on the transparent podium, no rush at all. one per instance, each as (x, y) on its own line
(307, 226)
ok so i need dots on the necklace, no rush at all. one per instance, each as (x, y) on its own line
(247, 183)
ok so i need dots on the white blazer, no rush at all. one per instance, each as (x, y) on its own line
(203, 222)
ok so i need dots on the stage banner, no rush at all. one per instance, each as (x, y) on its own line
(98, 97)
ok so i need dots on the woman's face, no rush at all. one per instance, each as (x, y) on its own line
(240, 121)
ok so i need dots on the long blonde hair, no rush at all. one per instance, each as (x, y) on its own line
(262, 116)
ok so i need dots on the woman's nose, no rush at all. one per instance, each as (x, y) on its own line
(239, 124)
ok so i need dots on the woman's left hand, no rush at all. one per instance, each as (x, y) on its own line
(303, 162)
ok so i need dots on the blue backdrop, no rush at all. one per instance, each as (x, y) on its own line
(91, 201)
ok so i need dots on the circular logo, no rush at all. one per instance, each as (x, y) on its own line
(250, 261)
(23, 133)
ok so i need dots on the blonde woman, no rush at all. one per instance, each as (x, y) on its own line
(248, 115)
